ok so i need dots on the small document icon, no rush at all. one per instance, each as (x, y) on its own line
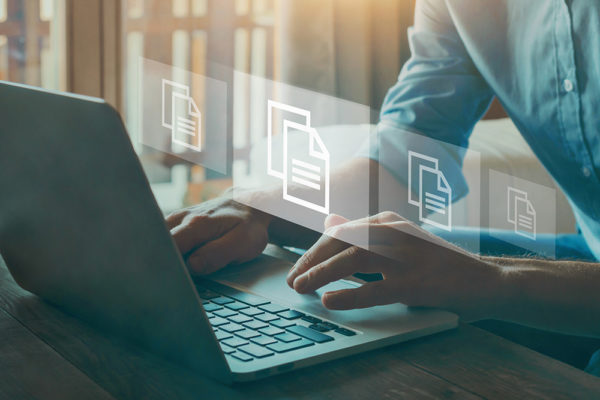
(432, 194)
(305, 170)
(521, 213)
(181, 115)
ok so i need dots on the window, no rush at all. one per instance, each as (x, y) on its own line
(93, 47)
(32, 42)
(189, 34)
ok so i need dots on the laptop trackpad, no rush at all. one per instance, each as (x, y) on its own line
(266, 276)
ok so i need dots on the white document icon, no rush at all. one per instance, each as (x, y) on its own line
(520, 213)
(305, 168)
(181, 115)
(433, 194)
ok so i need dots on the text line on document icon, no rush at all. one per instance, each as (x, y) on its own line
(429, 190)
(521, 213)
(304, 167)
(181, 115)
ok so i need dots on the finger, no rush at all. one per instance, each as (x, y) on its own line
(368, 295)
(334, 219)
(175, 218)
(347, 262)
(199, 229)
(334, 240)
(238, 245)
(325, 247)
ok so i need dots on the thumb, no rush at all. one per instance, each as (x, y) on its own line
(334, 219)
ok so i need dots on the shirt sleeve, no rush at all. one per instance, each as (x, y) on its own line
(439, 95)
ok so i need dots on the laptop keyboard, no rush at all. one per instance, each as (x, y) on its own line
(250, 327)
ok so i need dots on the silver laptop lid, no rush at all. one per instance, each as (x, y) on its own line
(79, 226)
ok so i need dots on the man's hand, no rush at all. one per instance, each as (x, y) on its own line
(418, 269)
(217, 233)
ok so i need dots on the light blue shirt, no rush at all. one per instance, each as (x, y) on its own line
(541, 58)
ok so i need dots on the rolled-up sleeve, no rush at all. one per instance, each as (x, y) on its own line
(439, 96)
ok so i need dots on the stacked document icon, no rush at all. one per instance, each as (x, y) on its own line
(521, 213)
(180, 114)
(429, 190)
(305, 166)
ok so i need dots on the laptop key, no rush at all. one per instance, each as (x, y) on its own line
(263, 340)
(231, 327)
(310, 319)
(287, 337)
(345, 332)
(218, 321)
(240, 319)
(222, 300)
(329, 325)
(224, 313)
(222, 335)
(247, 334)
(210, 307)
(256, 351)
(290, 314)
(282, 323)
(256, 325)
(234, 342)
(249, 299)
(271, 331)
(226, 349)
(266, 317)
(252, 311)
(282, 347)
(236, 306)
(241, 356)
(319, 328)
(310, 334)
(273, 308)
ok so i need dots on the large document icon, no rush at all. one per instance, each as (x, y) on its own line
(429, 190)
(181, 114)
(305, 168)
(521, 213)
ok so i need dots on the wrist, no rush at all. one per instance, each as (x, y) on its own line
(501, 291)
(485, 291)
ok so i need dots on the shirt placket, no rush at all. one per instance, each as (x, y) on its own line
(569, 100)
(569, 95)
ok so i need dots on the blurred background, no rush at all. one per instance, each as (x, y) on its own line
(349, 49)
(92, 47)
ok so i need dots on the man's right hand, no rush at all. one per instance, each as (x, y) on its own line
(217, 233)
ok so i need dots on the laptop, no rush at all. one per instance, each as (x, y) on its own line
(79, 227)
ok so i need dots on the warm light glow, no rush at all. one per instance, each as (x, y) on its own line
(135, 8)
(2, 10)
(199, 8)
(46, 10)
(180, 8)
(242, 7)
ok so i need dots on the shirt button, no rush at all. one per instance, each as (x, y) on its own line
(568, 85)
(586, 172)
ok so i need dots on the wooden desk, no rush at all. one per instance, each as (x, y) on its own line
(46, 354)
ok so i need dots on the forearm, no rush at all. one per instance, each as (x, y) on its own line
(563, 296)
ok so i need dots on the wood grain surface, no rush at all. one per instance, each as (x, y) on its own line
(45, 348)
